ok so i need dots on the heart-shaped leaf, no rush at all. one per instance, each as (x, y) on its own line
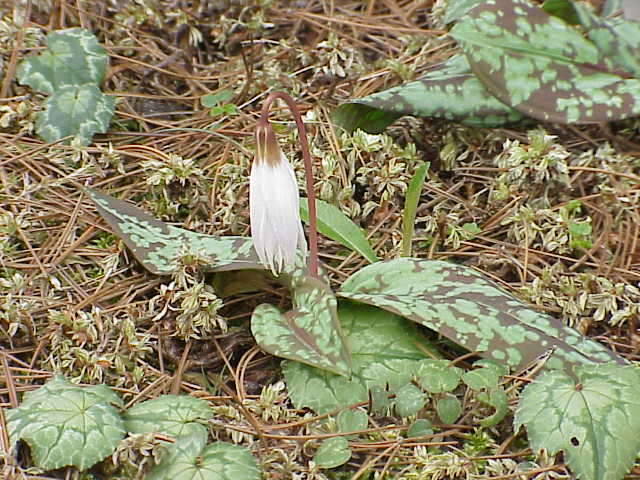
(159, 247)
(332, 453)
(310, 333)
(449, 91)
(175, 415)
(464, 306)
(65, 424)
(543, 67)
(190, 459)
(73, 57)
(80, 110)
(593, 416)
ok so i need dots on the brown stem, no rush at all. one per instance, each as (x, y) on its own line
(308, 169)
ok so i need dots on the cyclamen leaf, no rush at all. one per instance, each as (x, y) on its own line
(190, 459)
(175, 415)
(73, 57)
(449, 408)
(80, 110)
(449, 91)
(332, 453)
(464, 306)
(65, 424)
(334, 224)
(456, 9)
(594, 418)
(409, 400)
(438, 376)
(310, 333)
(159, 246)
(567, 80)
(385, 350)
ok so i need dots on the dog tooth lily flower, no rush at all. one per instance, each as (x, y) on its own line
(274, 205)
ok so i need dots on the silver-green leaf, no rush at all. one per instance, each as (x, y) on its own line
(592, 416)
(66, 424)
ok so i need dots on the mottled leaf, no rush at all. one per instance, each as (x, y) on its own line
(80, 110)
(449, 91)
(437, 376)
(412, 197)
(616, 38)
(332, 453)
(73, 57)
(352, 420)
(174, 415)
(481, 379)
(334, 224)
(190, 459)
(449, 408)
(456, 9)
(310, 333)
(464, 306)
(409, 400)
(159, 246)
(65, 424)
(508, 45)
(592, 416)
(385, 349)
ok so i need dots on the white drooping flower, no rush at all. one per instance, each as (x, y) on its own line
(276, 228)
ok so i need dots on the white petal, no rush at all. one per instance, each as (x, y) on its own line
(276, 228)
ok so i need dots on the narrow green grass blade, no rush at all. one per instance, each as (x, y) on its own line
(334, 224)
(410, 206)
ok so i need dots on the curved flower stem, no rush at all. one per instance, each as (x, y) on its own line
(308, 169)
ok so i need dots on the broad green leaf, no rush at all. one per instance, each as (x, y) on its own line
(438, 376)
(190, 459)
(310, 333)
(467, 308)
(73, 57)
(65, 424)
(159, 246)
(566, 80)
(618, 39)
(592, 416)
(352, 420)
(385, 349)
(80, 110)
(412, 197)
(449, 91)
(174, 415)
(332, 453)
(496, 398)
(449, 408)
(564, 9)
(334, 224)
(481, 379)
(420, 428)
(409, 400)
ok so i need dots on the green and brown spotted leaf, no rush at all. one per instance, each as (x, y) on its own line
(449, 91)
(159, 247)
(310, 333)
(618, 39)
(593, 416)
(387, 351)
(467, 308)
(543, 67)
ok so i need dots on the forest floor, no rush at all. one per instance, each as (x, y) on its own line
(558, 228)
